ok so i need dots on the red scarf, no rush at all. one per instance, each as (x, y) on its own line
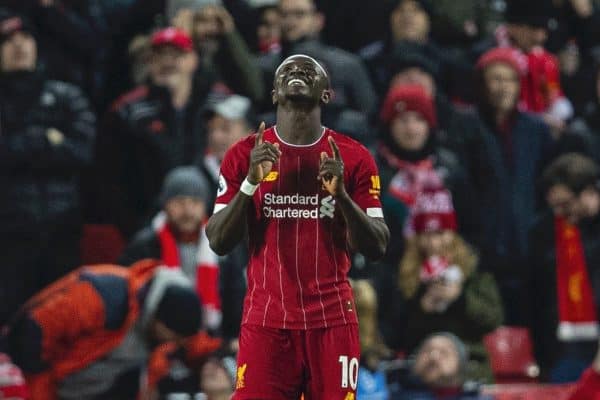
(576, 306)
(207, 270)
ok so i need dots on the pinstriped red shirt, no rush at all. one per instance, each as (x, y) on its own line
(299, 257)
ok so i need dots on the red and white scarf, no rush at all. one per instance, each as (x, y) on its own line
(206, 276)
(576, 306)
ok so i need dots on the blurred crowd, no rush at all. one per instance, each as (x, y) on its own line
(483, 116)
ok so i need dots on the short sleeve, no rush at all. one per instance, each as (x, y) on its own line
(233, 171)
(367, 186)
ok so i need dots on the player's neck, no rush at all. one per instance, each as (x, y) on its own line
(299, 127)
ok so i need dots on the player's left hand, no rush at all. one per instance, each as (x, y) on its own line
(331, 171)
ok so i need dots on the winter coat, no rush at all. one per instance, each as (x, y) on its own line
(506, 186)
(76, 321)
(142, 138)
(39, 178)
(542, 283)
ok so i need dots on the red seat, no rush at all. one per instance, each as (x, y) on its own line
(530, 392)
(511, 355)
(101, 244)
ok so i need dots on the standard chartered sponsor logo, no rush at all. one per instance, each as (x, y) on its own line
(297, 206)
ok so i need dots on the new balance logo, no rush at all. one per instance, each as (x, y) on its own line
(327, 207)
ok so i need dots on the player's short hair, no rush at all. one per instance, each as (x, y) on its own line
(319, 64)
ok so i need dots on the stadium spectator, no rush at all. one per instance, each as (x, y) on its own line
(228, 121)
(72, 39)
(438, 372)
(268, 32)
(565, 277)
(442, 286)
(410, 66)
(372, 381)
(540, 91)
(150, 131)
(176, 237)
(457, 24)
(408, 29)
(47, 133)
(411, 159)
(222, 50)
(504, 160)
(354, 101)
(89, 334)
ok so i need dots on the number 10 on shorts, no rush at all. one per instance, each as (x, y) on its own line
(349, 371)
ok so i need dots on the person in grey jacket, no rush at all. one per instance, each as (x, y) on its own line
(47, 132)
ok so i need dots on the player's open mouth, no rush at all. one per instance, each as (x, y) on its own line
(296, 82)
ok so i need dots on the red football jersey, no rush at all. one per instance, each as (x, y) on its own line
(299, 256)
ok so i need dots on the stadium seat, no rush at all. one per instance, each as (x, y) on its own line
(511, 355)
(101, 244)
(530, 392)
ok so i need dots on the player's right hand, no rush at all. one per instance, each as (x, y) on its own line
(262, 157)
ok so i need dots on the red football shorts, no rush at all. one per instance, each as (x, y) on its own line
(281, 364)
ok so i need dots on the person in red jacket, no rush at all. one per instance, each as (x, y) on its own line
(89, 334)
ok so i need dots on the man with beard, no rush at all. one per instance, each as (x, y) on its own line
(176, 237)
(305, 196)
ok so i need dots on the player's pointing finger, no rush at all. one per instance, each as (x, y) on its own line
(259, 134)
(335, 150)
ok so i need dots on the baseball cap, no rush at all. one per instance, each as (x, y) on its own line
(172, 37)
(232, 107)
(11, 22)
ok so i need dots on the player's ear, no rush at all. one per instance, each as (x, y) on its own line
(274, 96)
(326, 96)
(318, 22)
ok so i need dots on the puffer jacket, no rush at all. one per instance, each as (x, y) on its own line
(76, 321)
(39, 179)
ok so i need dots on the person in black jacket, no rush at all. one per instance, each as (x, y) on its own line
(505, 158)
(564, 259)
(151, 130)
(47, 132)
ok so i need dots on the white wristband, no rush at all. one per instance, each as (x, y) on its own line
(247, 188)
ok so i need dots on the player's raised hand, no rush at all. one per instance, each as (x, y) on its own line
(331, 170)
(262, 157)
